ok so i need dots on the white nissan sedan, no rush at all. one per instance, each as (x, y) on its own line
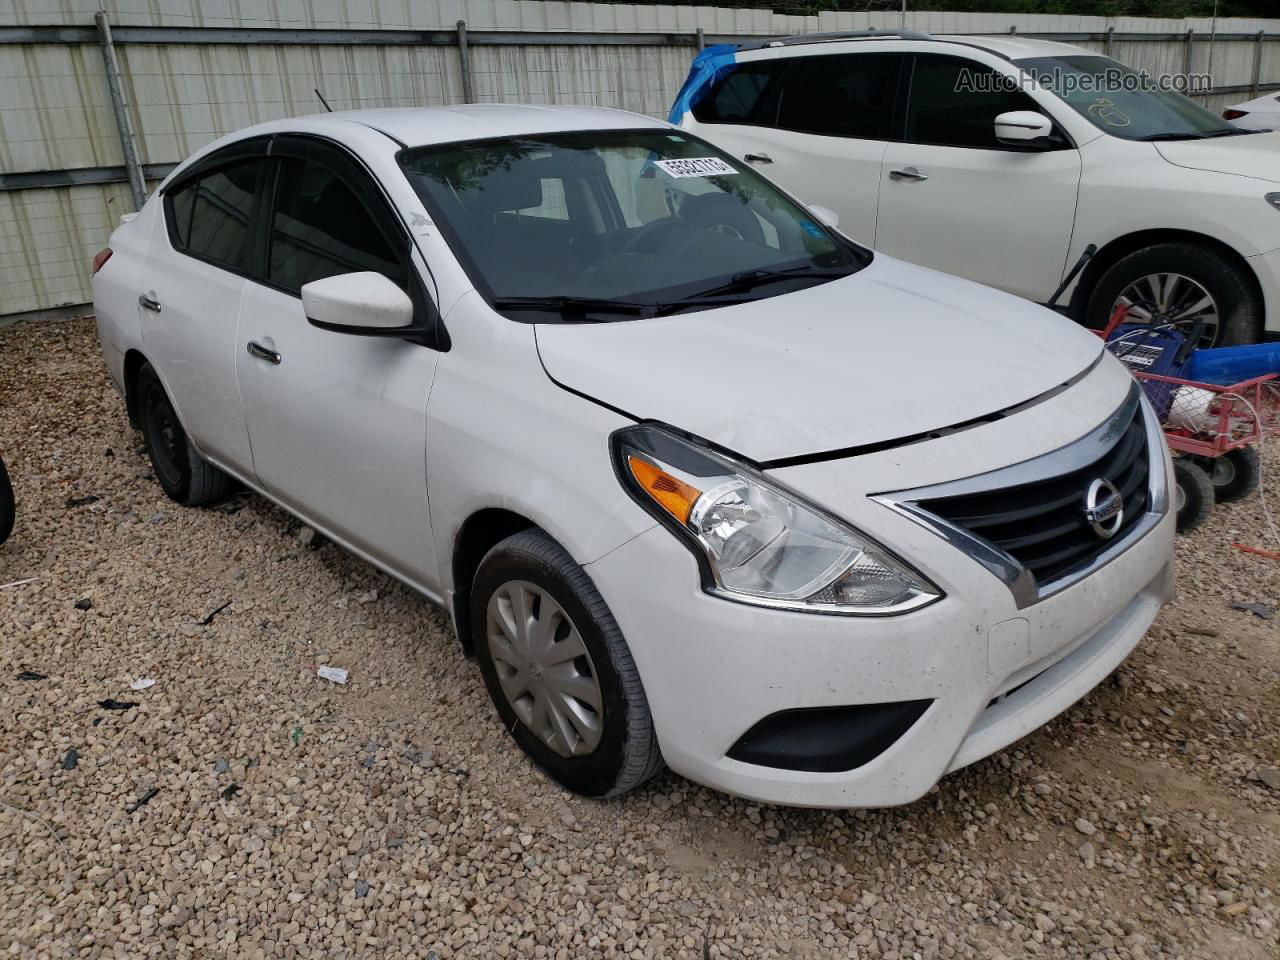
(698, 479)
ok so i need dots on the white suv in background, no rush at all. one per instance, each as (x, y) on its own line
(908, 139)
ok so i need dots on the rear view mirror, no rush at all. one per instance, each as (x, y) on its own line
(1023, 127)
(364, 302)
(825, 214)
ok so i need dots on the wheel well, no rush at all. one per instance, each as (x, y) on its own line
(133, 361)
(1121, 247)
(479, 534)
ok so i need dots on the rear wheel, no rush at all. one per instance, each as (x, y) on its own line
(1192, 493)
(558, 669)
(183, 474)
(1235, 474)
(1181, 283)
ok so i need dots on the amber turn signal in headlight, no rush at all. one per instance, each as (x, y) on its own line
(672, 494)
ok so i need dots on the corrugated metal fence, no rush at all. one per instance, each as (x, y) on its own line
(189, 71)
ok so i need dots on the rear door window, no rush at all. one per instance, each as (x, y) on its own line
(740, 97)
(209, 217)
(954, 102)
(840, 95)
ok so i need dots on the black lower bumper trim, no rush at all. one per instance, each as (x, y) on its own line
(827, 739)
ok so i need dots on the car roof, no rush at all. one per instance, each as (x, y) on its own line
(1009, 46)
(424, 126)
(1014, 47)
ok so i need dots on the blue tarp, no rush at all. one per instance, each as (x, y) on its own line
(708, 67)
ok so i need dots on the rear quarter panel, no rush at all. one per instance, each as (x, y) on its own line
(116, 287)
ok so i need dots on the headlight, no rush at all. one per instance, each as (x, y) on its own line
(1273, 199)
(756, 542)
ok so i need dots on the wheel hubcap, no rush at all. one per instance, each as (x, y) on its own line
(1161, 298)
(1179, 498)
(1224, 472)
(544, 669)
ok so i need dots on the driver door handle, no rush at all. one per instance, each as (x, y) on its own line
(148, 302)
(262, 353)
(908, 173)
(758, 158)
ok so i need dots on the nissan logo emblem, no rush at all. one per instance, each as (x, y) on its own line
(1104, 508)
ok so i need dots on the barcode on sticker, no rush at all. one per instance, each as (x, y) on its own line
(695, 167)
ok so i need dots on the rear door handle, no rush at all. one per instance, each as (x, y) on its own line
(758, 158)
(908, 173)
(148, 302)
(262, 353)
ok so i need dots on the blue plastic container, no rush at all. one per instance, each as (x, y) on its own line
(1228, 365)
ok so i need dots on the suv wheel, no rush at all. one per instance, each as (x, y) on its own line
(183, 474)
(558, 669)
(1182, 283)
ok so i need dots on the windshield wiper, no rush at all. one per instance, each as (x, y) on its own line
(750, 279)
(1172, 136)
(575, 307)
(1230, 133)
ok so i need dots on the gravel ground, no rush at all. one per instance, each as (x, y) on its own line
(245, 807)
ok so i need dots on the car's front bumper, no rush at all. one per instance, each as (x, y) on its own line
(993, 667)
(1266, 267)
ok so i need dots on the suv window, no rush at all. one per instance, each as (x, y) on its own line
(210, 216)
(739, 96)
(840, 95)
(320, 228)
(954, 102)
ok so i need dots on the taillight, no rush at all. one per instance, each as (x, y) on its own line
(101, 257)
(1234, 114)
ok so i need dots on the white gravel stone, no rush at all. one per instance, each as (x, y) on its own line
(352, 834)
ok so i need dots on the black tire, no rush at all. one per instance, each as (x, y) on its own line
(1232, 287)
(1234, 475)
(8, 508)
(184, 475)
(1193, 494)
(627, 753)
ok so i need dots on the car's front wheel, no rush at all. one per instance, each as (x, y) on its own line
(183, 474)
(1182, 283)
(558, 669)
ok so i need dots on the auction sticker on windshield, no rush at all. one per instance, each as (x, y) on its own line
(695, 167)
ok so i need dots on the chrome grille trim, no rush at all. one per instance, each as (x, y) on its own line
(1075, 456)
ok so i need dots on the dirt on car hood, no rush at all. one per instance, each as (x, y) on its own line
(892, 351)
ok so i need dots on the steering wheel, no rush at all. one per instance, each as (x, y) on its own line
(722, 213)
(648, 231)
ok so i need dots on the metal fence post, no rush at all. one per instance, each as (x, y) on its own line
(1257, 63)
(137, 185)
(1106, 43)
(1188, 54)
(464, 58)
(702, 40)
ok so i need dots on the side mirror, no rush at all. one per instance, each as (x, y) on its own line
(363, 303)
(1023, 127)
(825, 214)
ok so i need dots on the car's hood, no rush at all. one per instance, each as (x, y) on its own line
(892, 351)
(1249, 155)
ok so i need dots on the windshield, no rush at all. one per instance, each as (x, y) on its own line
(616, 224)
(1123, 102)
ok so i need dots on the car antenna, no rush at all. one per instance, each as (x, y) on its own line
(322, 99)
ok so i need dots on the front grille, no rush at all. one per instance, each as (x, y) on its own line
(1042, 524)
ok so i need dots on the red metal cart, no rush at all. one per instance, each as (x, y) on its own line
(1212, 430)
